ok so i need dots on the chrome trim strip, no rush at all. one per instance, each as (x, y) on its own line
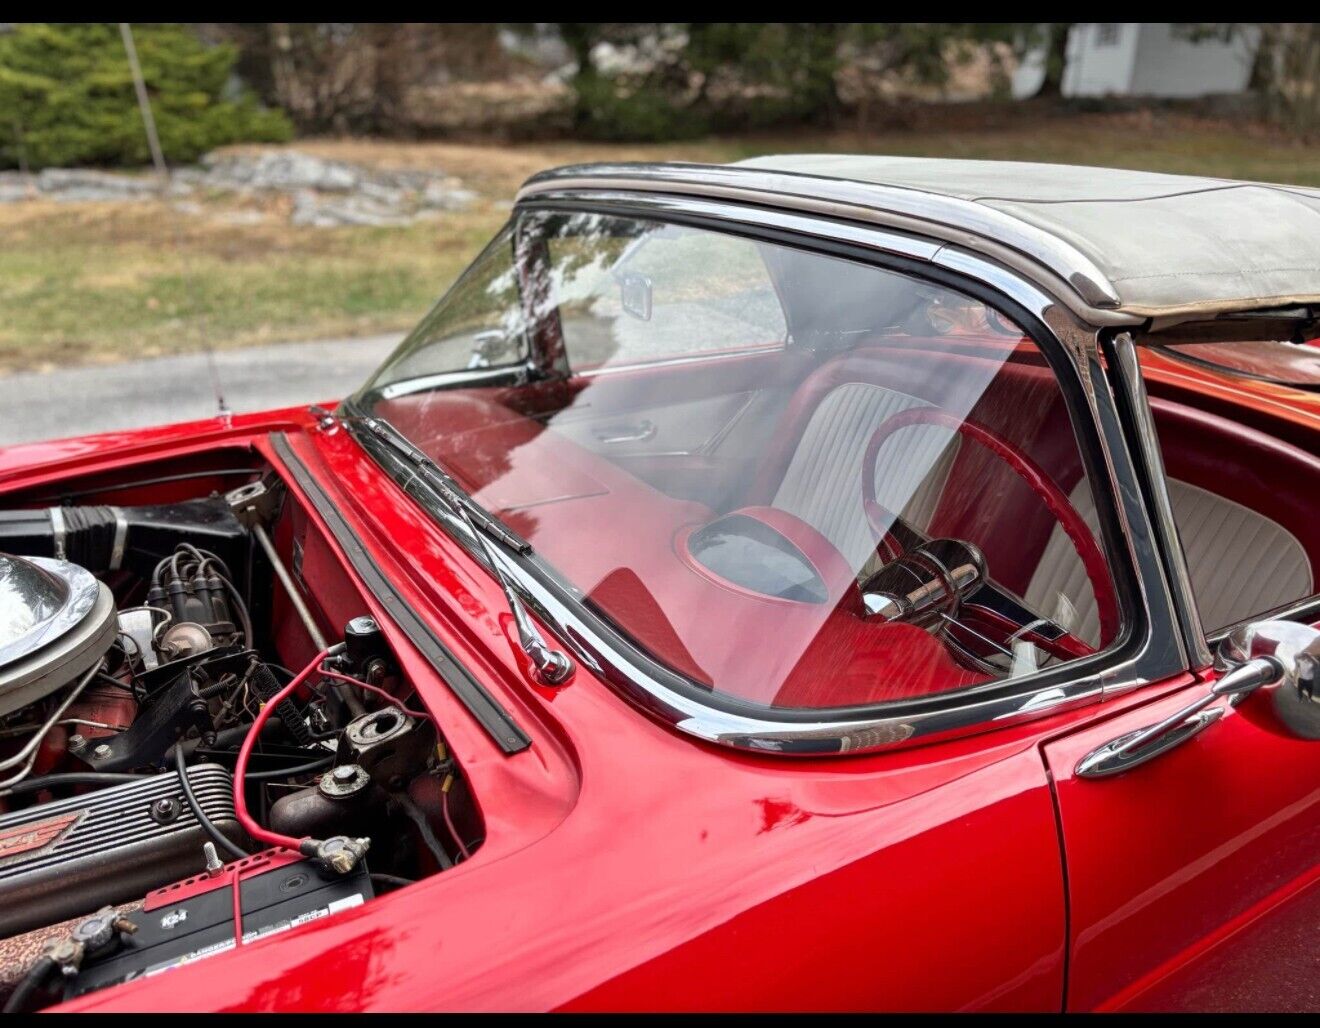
(719, 208)
(58, 532)
(974, 225)
(448, 380)
(822, 736)
(121, 538)
(668, 362)
(642, 682)
(1179, 579)
(844, 216)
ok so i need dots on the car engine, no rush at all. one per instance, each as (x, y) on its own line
(140, 674)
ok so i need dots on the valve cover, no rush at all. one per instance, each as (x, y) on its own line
(72, 856)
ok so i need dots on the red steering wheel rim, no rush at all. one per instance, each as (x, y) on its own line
(1074, 526)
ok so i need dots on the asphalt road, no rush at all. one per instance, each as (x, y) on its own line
(104, 398)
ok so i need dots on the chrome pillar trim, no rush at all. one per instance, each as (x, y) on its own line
(949, 218)
(1077, 337)
(58, 532)
(1164, 652)
(1178, 578)
(120, 539)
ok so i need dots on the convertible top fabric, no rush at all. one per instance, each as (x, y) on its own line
(1169, 244)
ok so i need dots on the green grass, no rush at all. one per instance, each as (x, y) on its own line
(102, 282)
(110, 287)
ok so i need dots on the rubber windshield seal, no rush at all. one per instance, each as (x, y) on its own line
(499, 724)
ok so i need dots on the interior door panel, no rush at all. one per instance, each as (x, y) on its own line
(688, 428)
(680, 426)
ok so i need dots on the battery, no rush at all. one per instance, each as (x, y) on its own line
(194, 919)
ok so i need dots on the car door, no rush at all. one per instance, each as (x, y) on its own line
(1192, 877)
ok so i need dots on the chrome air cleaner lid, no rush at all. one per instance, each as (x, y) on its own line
(56, 621)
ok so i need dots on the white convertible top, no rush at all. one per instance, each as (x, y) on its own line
(1167, 244)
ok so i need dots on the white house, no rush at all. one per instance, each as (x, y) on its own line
(1155, 59)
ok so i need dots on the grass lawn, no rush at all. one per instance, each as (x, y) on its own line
(92, 282)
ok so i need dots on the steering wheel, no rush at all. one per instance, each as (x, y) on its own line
(1073, 524)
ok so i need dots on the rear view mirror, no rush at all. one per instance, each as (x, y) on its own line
(635, 294)
(493, 348)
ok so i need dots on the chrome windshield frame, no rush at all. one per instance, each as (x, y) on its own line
(1150, 650)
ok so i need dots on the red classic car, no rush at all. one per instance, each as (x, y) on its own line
(818, 583)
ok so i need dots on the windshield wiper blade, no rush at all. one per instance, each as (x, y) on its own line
(553, 667)
(454, 494)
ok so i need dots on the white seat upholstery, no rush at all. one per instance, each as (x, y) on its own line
(823, 483)
(1241, 563)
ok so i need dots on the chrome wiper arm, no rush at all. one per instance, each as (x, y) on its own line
(553, 667)
(479, 519)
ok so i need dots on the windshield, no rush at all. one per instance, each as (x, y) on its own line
(794, 479)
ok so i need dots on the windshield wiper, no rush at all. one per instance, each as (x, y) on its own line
(553, 667)
(464, 504)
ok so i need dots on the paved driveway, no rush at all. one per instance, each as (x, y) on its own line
(77, 401)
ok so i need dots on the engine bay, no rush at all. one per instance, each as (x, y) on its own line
(190, 755)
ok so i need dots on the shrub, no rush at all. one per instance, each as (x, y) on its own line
(66, 96)
(632, 112)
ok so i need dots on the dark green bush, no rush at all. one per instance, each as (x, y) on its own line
(66, 96)
(632, 113)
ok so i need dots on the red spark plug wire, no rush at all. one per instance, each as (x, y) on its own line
(248, 822)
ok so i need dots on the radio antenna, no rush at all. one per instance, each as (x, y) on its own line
(163, 174)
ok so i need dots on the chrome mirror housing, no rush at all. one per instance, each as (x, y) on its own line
(1295, 699)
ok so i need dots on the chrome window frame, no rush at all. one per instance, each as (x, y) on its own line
(1132, 388)
(1201, 645)
(1152, 649)
(1051, 262)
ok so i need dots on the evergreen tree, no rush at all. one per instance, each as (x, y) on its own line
(67, 96)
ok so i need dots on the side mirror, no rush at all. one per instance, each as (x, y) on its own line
(1294, 701)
